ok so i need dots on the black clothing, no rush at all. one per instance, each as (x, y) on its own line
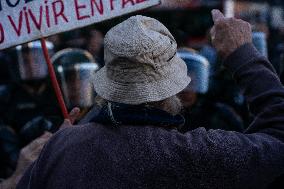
(25, 105)
(24, 116)
(9, 151)
(117, 114)
(212, 115)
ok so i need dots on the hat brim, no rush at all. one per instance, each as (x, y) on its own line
(138, 93)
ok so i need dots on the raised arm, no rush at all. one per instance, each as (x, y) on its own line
(253, 73)
(256, 158)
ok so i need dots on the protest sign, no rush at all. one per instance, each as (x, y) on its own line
(26, 20)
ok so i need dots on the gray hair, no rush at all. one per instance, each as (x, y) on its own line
(171, 105)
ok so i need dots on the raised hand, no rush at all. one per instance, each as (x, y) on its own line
(73, 116)
(228, 34)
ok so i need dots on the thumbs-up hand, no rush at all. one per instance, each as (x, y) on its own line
(228, 34)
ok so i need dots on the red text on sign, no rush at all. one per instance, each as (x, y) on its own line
(58, 11)
(27, 18)
(77, 9)
(100, 7)
(36, 22)
(125, 2)
(2, 35)
(94, 5)
(111, 4)
(18, 27)
(131, 2)
(47, 14)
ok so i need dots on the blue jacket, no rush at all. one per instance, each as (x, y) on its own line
(152, 156)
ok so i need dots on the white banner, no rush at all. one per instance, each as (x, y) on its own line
(26, 20)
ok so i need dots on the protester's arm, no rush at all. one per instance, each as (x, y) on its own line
(262, 88)
(256, 158)
(253, 159)
(253, 73)
(260, 152)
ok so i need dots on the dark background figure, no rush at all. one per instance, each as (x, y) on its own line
(9, 142)
(223, 89)
(31, 95)
(94, 44)
(200, 111)
(9, 150)
(75, 71)
(28, 104)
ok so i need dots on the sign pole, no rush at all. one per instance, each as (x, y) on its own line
(54, 80)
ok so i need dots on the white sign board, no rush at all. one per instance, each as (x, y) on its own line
(26, 20)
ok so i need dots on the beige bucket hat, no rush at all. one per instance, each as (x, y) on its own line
(141, 63)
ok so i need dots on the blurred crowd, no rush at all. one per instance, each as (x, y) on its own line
(28, 106)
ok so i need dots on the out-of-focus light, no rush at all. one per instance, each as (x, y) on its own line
(229, 8)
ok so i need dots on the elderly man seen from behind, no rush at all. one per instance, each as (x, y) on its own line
(132, 141)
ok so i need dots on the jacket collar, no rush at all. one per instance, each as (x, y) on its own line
(116, 114)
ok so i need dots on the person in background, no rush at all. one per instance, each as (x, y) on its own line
(209, 52)
(94, 44)
(199, 110)
(10, 146)
(57, 41)
(75, 70)
(8, 139)
(27, 103)
(133, 141)
(73, 39)
(30, 153)
(32, 100)
(26, 157)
